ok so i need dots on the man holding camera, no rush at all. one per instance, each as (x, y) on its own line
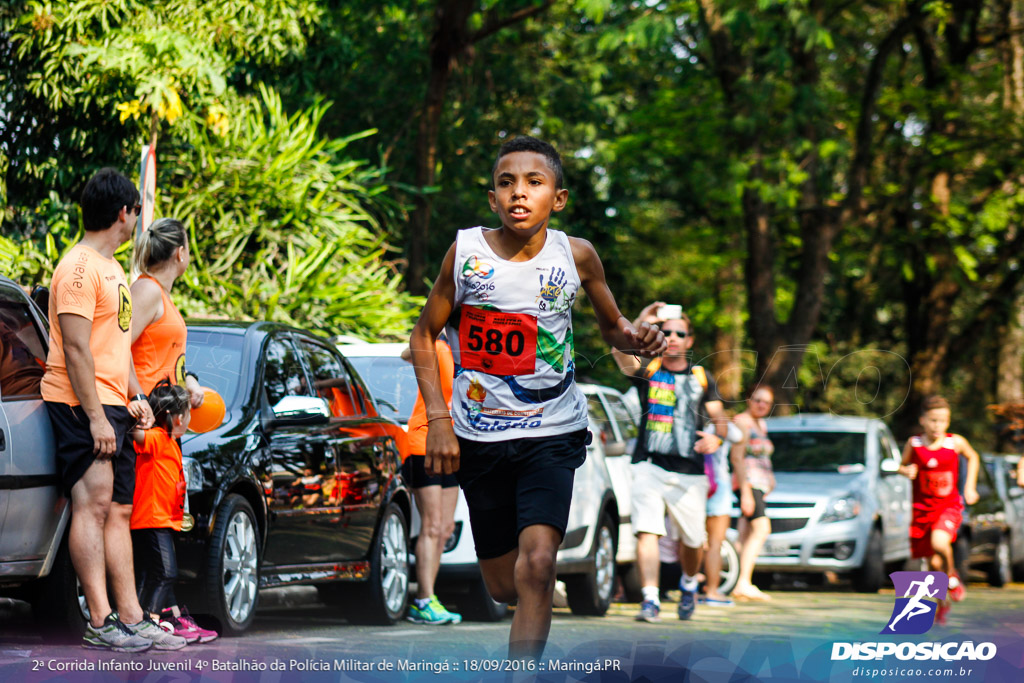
(676, 399)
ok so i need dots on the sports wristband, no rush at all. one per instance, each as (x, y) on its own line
(140, 397)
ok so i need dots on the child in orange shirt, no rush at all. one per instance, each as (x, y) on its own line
(159, 509)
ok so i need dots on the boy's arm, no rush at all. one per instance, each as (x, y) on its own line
(442, 449)
(628, 363)
(139, 435)
(973, 465)
(645, 339)
(908, 469)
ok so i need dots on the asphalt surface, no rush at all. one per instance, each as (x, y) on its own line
(296, 638)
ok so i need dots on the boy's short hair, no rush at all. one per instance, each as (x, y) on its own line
(525, 143)
(103, 196)
(934, 403)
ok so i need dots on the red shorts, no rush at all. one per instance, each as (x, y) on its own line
(945, 519)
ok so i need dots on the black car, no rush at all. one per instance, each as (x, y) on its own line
(298, 485)
(984, 536)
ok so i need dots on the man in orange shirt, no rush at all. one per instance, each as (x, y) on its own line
(85, 388)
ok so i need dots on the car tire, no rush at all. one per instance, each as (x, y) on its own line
(871, 574)
(632, 587)
(730, 573)
(591, 594)
(478, 605)
(58, 604)
(232, 570)
(1000, 572)
(382, 600)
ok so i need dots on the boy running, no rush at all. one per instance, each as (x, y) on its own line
(518, 426)
(932, 461)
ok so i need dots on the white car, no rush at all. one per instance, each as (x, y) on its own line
(587, 557)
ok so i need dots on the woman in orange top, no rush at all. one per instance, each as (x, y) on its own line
(159, 508)
(158, 330)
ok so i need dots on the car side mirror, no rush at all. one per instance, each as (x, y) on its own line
(890, 466)
(301, 410)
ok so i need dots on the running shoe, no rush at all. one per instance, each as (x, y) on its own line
(186, 627)
(687, 604)
(161, 639)
(114, 636)
(942, 612)
(649, 611)
(715, 602)
(956, 588)
(433, 614)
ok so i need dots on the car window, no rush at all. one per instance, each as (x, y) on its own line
(216, 358)
(391, 381)
(600, 418)
(841, 452)
(332, 381)
(620, 413)
(22, 349)
(885, 451)
(283, 375)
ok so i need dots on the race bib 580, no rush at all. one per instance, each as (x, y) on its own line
(497, 343)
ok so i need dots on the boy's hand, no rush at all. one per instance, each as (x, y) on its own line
(442, 455)
(645, 338)
(143, 414)
(909, 471)
(970, 495)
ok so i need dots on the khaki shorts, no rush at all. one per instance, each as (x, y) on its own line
(682, 497)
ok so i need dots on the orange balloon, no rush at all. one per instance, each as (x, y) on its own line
(210, 415)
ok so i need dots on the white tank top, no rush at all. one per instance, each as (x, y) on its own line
(511, 338)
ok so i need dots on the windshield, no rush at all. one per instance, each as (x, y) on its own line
(818, 451)
(216, 358)
(391, 381)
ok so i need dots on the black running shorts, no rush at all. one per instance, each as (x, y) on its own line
(75, 447)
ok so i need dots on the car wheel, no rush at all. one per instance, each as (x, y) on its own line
(58, 603)
(384, 597)
(1000, 572)
(478, 604)
(591, 593)
(632, 588)
(730, 567)
(871, 574)
(232, 571)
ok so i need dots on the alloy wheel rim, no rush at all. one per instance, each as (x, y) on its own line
(239, 572)
(604, 561)
(394, 573)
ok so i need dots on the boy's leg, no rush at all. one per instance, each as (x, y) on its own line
(534, 586)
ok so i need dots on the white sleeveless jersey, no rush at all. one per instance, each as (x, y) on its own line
(511, 338)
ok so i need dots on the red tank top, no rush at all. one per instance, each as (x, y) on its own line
(937, 472)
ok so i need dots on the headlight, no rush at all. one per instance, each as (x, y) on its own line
(841, 508)
(193, 473)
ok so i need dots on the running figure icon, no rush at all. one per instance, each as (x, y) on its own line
(914, 606)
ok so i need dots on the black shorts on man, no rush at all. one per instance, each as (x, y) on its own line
(414, 471)
(75, 447)
(510, 485)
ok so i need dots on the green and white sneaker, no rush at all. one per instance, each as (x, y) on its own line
(433, 613)
(161, 639)
(114, 636)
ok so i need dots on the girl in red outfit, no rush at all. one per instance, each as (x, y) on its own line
(932, 461)
(159, 508)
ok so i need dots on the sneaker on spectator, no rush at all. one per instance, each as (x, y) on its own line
(649, 611)
(956, 587)
(455, 617)
(205, 635)
(433, 613)
(172, 624)
(161, 639)
(114, 636)
(687, 604)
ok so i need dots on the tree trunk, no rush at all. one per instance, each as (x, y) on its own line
(726, 363)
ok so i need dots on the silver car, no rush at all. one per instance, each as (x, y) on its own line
(839, 503)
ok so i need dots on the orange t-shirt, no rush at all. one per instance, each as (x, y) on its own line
(418, 419)
(86, 283)
(159, 351)
(159, 483)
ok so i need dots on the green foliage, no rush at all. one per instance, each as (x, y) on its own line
(282, 227)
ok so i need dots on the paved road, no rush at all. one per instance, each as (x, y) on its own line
(790, 638)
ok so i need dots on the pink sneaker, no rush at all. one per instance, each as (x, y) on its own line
(956, 587)
(202, 634)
